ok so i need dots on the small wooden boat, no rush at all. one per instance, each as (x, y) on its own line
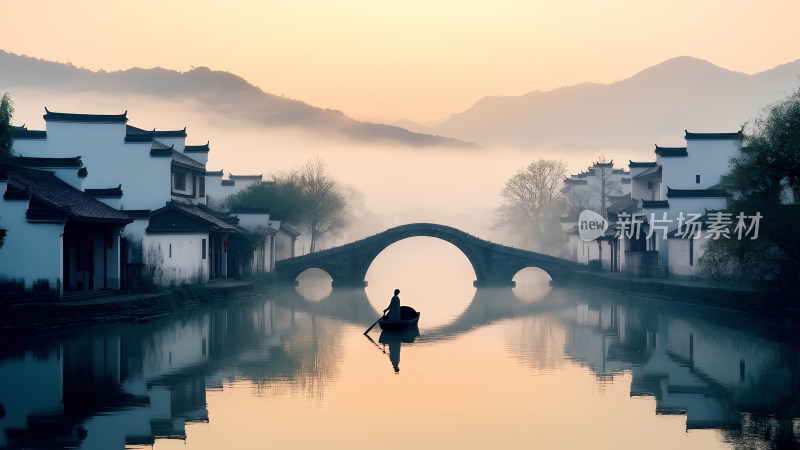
(409, 318)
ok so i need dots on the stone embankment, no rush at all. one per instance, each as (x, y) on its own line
(709, 293)
(30, 315)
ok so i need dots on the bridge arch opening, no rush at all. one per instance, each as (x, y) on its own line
(531, 284)
(314, 284)
(433, 276)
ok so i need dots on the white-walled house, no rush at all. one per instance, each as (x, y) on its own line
(585, 191)
(682, 183)
(59, 238)
(159, 185)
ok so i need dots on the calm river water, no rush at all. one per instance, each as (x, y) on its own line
(529, 367)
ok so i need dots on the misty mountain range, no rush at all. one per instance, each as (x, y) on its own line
(653, 106)
(224, 94)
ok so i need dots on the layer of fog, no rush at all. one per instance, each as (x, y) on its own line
(397, 185)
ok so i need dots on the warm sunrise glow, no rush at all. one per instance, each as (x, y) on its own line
(419, 60)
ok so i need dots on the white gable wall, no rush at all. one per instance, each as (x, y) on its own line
(31, 147)
(108, 159)
(708, 158)
(185, 264)
(32, 251)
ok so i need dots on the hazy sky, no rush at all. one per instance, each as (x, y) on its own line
(423, 60)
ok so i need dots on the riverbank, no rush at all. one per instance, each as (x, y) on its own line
(700, 292)
(30, 316)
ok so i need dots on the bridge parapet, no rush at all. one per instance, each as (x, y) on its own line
(494, 264)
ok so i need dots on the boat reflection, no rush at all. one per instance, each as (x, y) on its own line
(395, 340)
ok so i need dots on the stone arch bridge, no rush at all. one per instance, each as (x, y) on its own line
(494, 264)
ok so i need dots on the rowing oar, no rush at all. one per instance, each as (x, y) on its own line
(376, 322)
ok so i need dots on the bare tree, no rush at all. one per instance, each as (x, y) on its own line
(608, 187)
(531, 199)
(324, 198)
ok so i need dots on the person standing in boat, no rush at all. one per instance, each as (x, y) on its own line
(394, 308)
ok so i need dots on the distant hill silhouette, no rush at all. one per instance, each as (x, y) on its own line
(224, 93)
(653, 106)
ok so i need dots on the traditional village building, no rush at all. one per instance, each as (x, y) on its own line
(59, 238)
(683, 183)
(155, 183)
(600, 184)
(218, 189)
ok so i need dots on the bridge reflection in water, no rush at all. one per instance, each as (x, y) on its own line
(134, 385)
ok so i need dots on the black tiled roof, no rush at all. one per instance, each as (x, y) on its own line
(170, 133)
(95, 118)
(24, 133)
(655, 204)
(158, 145)
(83, 173)
(105, 193)
(217, 173)
(641, 164)
(130, 130)
(13, 193)
(651, 172)
(197, 148)
(624, 204)
(134, 134)
(695, 193)
(53, 199)
(246, 177)
(161, 152)
(671, 151)
(183, 161)
(622, 171)
(178, 217)
(26, 161)
(608, 164)
(713, 136)
(227, 183)
(138, 138)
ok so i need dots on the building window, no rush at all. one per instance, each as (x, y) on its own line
(649, 185)
(179, 181)
(202, 186)
(170, 250)
(697, 179)
(691, 251)
(204, 248)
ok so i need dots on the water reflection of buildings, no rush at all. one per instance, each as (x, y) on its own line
(719, 377)
(147, 382)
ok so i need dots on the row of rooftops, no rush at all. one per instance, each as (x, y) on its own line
(52, 200)
(132, 135)
(177, 158)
